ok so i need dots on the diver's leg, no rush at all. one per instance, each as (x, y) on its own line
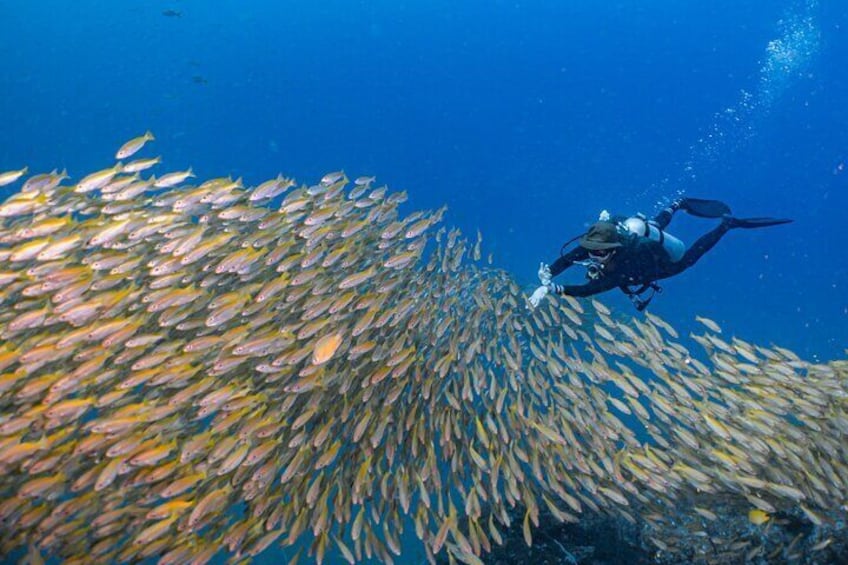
(704, 244)
(708, 240)
(662, 219)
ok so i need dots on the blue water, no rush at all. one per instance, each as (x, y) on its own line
(526, 118)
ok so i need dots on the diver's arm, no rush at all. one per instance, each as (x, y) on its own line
(565, 261)
(597, 286)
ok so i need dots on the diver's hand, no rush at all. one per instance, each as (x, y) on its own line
(544, 274)
(538, 295)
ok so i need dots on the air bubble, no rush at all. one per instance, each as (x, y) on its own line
(787, 59)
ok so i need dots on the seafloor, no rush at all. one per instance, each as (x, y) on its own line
(603, 540)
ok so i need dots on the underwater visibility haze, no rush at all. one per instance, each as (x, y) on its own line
(303, 329)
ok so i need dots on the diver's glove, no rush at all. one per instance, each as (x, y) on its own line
(538, 295)
(544, 274)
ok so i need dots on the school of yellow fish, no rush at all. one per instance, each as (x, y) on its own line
(188, 370)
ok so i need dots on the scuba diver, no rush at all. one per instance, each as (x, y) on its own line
(634, 253)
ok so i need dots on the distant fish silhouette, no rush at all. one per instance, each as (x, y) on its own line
(172, 13)
(199, 79)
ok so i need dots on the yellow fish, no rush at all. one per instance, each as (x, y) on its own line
(11, 176)
(132, 146)
(757, 516)
(711, 325)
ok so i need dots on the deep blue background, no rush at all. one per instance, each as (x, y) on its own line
(526, 118)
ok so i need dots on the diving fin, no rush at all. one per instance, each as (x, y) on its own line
(705, 208)
(755, 222)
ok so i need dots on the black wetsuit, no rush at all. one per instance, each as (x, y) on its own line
(639, 262)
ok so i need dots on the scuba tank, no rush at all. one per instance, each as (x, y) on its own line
(640, 226)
